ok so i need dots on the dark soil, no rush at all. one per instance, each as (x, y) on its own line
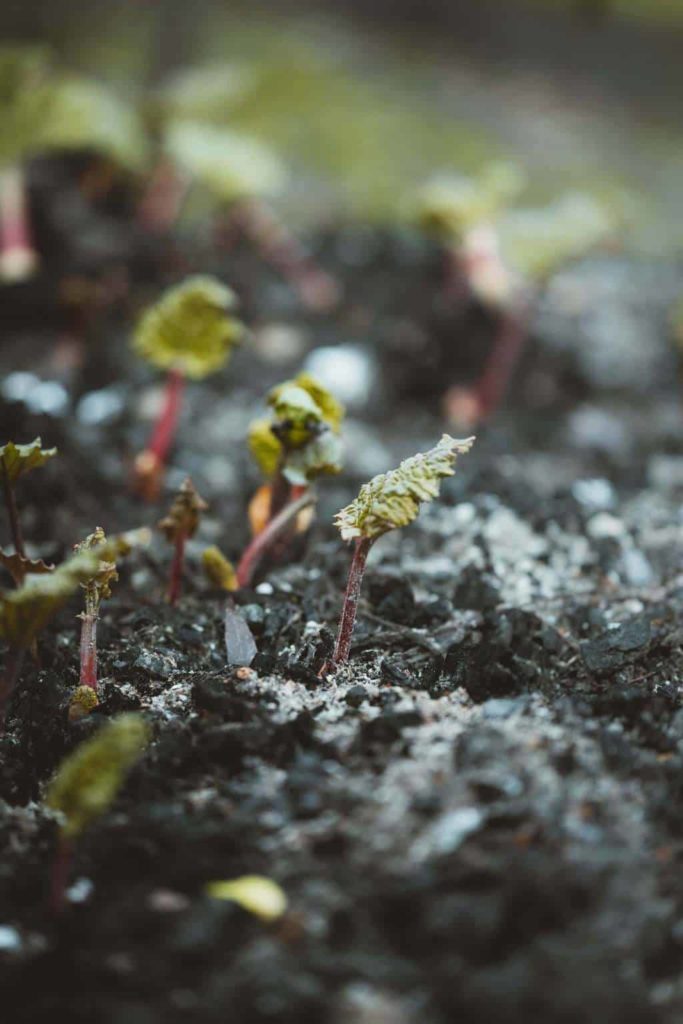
(480, 819)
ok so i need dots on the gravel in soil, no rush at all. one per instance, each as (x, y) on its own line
(479, 819)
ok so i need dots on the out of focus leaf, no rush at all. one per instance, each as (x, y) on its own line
(536, 242)
(219, 570)
(88, 780)
(264, 446)
(191, 328)
(204, 93)
(321, 456)
(18, 459)
(453, 204)
(230, 165)
(84, 114)
(24, 99)
(254, 893)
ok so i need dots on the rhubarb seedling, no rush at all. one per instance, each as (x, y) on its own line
(97, 589)
(297, 444)
(25, 611)
(502, 257)
(178, 526)
(86, 785)
(190, 332)
(16, 460)
(388, 502)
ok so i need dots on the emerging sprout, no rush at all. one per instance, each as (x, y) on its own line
(190, 332)
(258, 895)
(218, 569)
(178, 526)
(87, 783)
(25, 611)
(97, 588)
(300, 440)
(389, 502)
(298, 443)
(16, 460)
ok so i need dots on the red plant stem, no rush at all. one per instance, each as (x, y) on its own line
(15, 525)
(348, 616)
(264, 541)
(61, 867)
(502, 360)
(17, 255)
(283, 250)
(89, 650)
(15, 659)
(280, 494)
(164, 196)
(176, 581)
(167, 424)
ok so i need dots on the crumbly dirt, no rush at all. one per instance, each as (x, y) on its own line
(480, 818)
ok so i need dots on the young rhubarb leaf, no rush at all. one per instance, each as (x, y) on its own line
(19, 567)
(392, 500)
(18, 459)
(230, 165)
(191, 328)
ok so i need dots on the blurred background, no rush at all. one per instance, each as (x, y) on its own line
(363, 100)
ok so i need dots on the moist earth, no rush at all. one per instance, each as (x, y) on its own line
(480, 817)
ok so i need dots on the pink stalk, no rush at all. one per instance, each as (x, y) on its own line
(18, 258)
(164, 196)
(177, 569)
(13, 514)
(150, 463)
(89, 650)
(348, 616)
(265, 540)
(317, 289)
(493, 383)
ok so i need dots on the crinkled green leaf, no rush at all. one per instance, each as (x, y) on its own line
(264, 446)
(537, 242)
(85, 114)
(452, 204)
(18, 567)
(191, 328)
(331, 410)
(301, 438)
(392, 500)
(322, 455)
(230, 165)
(26, 610)
(87, 782)
(204, 93)
(18, 459)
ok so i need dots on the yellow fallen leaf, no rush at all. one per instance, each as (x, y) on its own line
(260, 896)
